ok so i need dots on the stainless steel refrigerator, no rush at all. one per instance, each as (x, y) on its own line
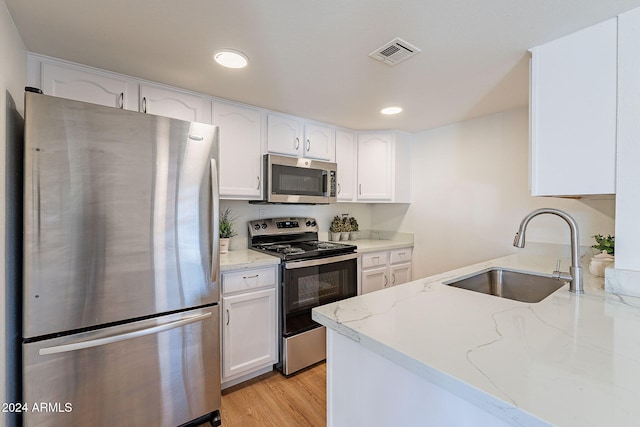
(121, 277)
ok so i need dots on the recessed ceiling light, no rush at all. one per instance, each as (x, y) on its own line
(231, 58)
(391, 110)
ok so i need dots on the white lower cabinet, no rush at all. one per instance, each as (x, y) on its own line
(249, 322)
(383, 269)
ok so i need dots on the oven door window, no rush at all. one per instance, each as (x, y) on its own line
(298, 181)
(310, 287)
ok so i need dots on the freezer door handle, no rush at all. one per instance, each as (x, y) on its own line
(80, 345)
(215, 218)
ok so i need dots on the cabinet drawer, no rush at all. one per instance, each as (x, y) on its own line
(243, 280)
(400, 255)
(374, 259)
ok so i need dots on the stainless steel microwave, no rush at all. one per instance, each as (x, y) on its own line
(298, 180)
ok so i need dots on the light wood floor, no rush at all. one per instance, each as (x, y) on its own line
(273, 400)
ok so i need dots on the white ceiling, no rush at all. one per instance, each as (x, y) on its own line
(310, 57)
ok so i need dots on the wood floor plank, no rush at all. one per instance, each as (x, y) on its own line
(274, 400)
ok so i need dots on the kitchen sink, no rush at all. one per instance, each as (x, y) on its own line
(525, 287)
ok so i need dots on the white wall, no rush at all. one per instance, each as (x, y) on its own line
(13, 78)
(470, 192)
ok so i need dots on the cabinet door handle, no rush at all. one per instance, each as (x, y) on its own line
(339, 188)
(250, 277)
(308, 145)
(393, 279)
(360, 189)
(228, 317)
(258, 187)
(121, 100)
(386, 280)
(297, 143)
(144, 104)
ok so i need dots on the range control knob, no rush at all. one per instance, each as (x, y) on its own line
(313, 223)
(264, 225)
(256, 227)
(308, 223)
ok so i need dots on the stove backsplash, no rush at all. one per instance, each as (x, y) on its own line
(323, 214)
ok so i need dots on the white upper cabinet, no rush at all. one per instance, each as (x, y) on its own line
(346, 152)
(283, 135)
(384, 167)
(67, 81)
(319, 142)
(375, 152)
(175, 104)
(240, 138)
(292, 137)
(573, 108)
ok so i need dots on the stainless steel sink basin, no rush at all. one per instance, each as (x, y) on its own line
(525, 287)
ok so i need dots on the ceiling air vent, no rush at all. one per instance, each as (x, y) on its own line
(397, 50)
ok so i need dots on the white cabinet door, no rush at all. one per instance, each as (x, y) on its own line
(248, 332)
(319, 142)
(400, 273)
(374, 279)
(175, 104)
(375, 161)
(346, 151)
(96, 88)
(573, 113)
(240, 139)
(283, 135)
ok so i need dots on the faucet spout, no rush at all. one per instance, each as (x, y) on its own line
(576, 283)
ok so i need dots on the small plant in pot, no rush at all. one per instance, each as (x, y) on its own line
(335, 228)
(606, 246)
(346, 228)
(227, 219)
(355, 230)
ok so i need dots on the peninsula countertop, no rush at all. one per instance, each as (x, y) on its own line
(569, 360)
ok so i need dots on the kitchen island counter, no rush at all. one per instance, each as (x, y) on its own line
(569, 360)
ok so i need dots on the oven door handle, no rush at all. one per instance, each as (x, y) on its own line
(319, 261)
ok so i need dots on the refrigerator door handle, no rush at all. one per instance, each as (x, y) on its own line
(80, 345)
(215, 219)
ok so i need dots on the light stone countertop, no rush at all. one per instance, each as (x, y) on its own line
(246, 258)
(568, 360)
(372, 245)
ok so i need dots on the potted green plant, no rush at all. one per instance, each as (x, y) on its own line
(346, 228)
(335, 228)
(227, 219)
(606, 246)
(355, 230)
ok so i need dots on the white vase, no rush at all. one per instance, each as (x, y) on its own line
(224, 245)
(344, 235)
(600, 262)
(334, 237)
(354, 235)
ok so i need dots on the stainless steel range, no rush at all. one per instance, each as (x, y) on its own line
(313, 273)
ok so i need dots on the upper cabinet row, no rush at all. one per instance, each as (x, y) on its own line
(372, 167)
(573, 113)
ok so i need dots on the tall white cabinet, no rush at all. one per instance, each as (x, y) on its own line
(346, 158)
(573, 113)
(240, 150)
